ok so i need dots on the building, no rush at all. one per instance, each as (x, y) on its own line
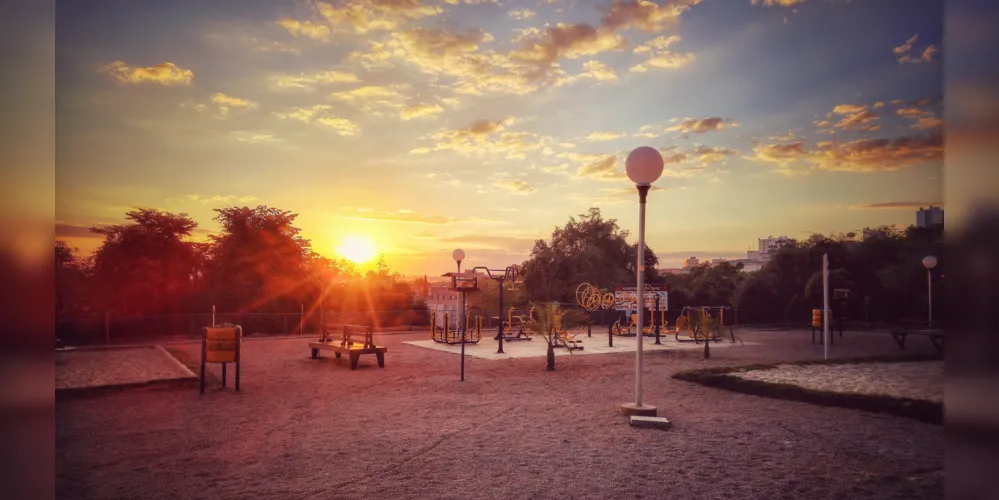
(769, 246)
(748, 265)
(927, 217)
(690, 262)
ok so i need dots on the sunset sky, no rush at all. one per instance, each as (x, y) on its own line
(428, 125)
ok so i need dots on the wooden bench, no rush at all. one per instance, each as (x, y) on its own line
(354, 341)
(935, 335)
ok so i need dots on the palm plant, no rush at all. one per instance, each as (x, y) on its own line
(549, 321)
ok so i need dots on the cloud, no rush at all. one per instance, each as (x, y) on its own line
(540, 52)
(303, 81)
(866, 155)
(254, 138)
(520, 14)
(855, 117)
(307, 29)
(672, 155)
(660, 56)
(905, 47)
(604, 169)
(420, 111)
(406, 217)
(516, 186)
(923, 118)
(777, 3)
(373, 98)
(224, 102)
(702, 125)
(592, 70)
(711, 154)
(644, 15)
(487, 137)
(320, 116)
(605, 136)
(362, 16)
(167, 73)
(897, 205)
(902, 52)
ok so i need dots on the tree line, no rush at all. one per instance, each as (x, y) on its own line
(259, 262)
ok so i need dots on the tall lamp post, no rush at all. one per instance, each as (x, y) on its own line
(644, 166)
(929, 262)
(459, 255)
(510, 273)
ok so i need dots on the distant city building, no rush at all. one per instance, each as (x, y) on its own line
(690, 262)
(769, 246)
(927, 217)
(748, 265)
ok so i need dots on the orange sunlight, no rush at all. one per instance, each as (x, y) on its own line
(357, 248)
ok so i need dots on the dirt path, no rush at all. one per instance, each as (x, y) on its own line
(304, 428)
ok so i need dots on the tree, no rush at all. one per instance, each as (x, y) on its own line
(148, 266)
(548, 321)
(259, 260)
(592, 250)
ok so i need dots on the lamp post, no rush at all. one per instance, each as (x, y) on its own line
(509, 273)
(929, 262)
(644, 165)
(459, 255)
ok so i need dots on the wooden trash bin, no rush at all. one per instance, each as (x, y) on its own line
(221, 344)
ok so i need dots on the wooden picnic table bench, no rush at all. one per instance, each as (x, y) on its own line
(354, 341)
(935, 335)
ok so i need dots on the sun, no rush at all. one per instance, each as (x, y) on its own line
(357, 249)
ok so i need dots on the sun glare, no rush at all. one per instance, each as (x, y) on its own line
(357, 249)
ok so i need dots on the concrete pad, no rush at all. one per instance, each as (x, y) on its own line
(117, 367)
(631, 410)
(650, 422)
(597, 344)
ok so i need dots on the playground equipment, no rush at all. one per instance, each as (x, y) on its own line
(513, 327)
(565, 339)
(221, 344)
(592, 298)
(450, 333)
(706, 323)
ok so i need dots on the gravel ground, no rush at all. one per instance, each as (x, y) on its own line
(81, 368)
(916, 380)
(304, 428)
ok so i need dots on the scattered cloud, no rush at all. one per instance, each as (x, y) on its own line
(917, 111)
(307, 29)
(777, 3)
(605, 136)
(65, 230)
(517, 186)
(905, 55)
(520, 14)
(420, 111)
(604, 169)
(405, 217)
(486, 137)
(855, 117)
(711, 154)
(362, 16)
(592, 70)
(702, 125)
(320, 115)
(167, 73)
(373, 99)
(225, 102)
(305, 81)
(866, 155)
(660, 56)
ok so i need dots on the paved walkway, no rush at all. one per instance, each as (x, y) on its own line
(597, 344)
(93, 368)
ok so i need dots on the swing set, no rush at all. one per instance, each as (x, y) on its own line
(451, 332)
(697, 323)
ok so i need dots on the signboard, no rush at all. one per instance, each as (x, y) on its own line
(625, 298)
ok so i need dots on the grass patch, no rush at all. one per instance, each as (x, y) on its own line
(721, 378)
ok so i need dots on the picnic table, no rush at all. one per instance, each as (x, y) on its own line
(353, 341)
(935, 335)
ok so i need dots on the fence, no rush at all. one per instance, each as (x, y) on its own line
(112, 329)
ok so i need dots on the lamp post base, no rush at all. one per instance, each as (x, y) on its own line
(629, 409)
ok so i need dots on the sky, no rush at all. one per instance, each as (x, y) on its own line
(429, 125)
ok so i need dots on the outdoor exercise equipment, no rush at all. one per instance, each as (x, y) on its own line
(511, 273)
(450, 333)
(221, 344)
(698, 323)
(513, 327)
(565, 339)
